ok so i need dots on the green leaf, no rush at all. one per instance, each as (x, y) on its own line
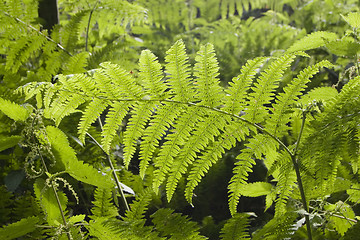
(313, 40)
(341, 222)
(77, 169)
(353, 19)
(256, 189)
(77, 218)
(8, 142)
(19, 229)
(343, 47)
(48, 202)
(13, 110)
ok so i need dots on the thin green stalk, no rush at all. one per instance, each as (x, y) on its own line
(56, 194)
(298, 177)
(121, 192)
(39, 32)
(88, 27)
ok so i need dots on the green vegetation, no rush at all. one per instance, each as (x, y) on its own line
(197, 119)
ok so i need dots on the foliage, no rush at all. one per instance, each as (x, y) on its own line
(92, 135)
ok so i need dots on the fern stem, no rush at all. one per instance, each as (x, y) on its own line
(39, 32)
(298, 177)
(55, 193)
(114, 174)
(88, 26)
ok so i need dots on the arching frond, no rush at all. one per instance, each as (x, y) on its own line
(263, 89)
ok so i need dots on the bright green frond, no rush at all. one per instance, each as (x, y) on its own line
(206, 71)
(236, 92)
(151, 74)
(313, 40)
(281, 227)
(139, 206)
(161, 122)
(286, 183)
(175, 225)
(91, 113)
(263, 90)
(205, 132)
(178, 69)
(76, 63)
(13, 110)
(125, 84)
(236, 228)
(103, 207)
(140, 115)
(70, 32)
(233, 132)
(114, 118)
(256, 147)
(101, 231)
(277, 124)
(174, 140)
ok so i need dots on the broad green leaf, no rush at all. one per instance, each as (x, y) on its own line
(343, 47)
(13, 110)
(48, 202)
(19, 229)
(353, 19)
(8, 142)
(77, 169)
(313, 40)
(256, 189)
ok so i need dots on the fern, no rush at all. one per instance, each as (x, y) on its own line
(236, 227)
(180, 227)
(102, 205)
(14, 111)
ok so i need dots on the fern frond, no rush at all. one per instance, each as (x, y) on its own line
(233, 132)
(139, 206)
(161, 122)
(22, 50)
(102, 204)
(141, 114)
(114, 118)
(263, 90)
(175, 225)
(286, 183)
(206, 70)
(19, 229)
(125, 84)
(178, 137)
(76, 63)
(236, 92)
(98, 229)
(281, 227)
(313, 40)
(70, 32)
(91, 113)
(151, 74)
(236, 228)
(257, 146)
(178, 69)
(277, 124)
(13, 110)
(205, 132)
